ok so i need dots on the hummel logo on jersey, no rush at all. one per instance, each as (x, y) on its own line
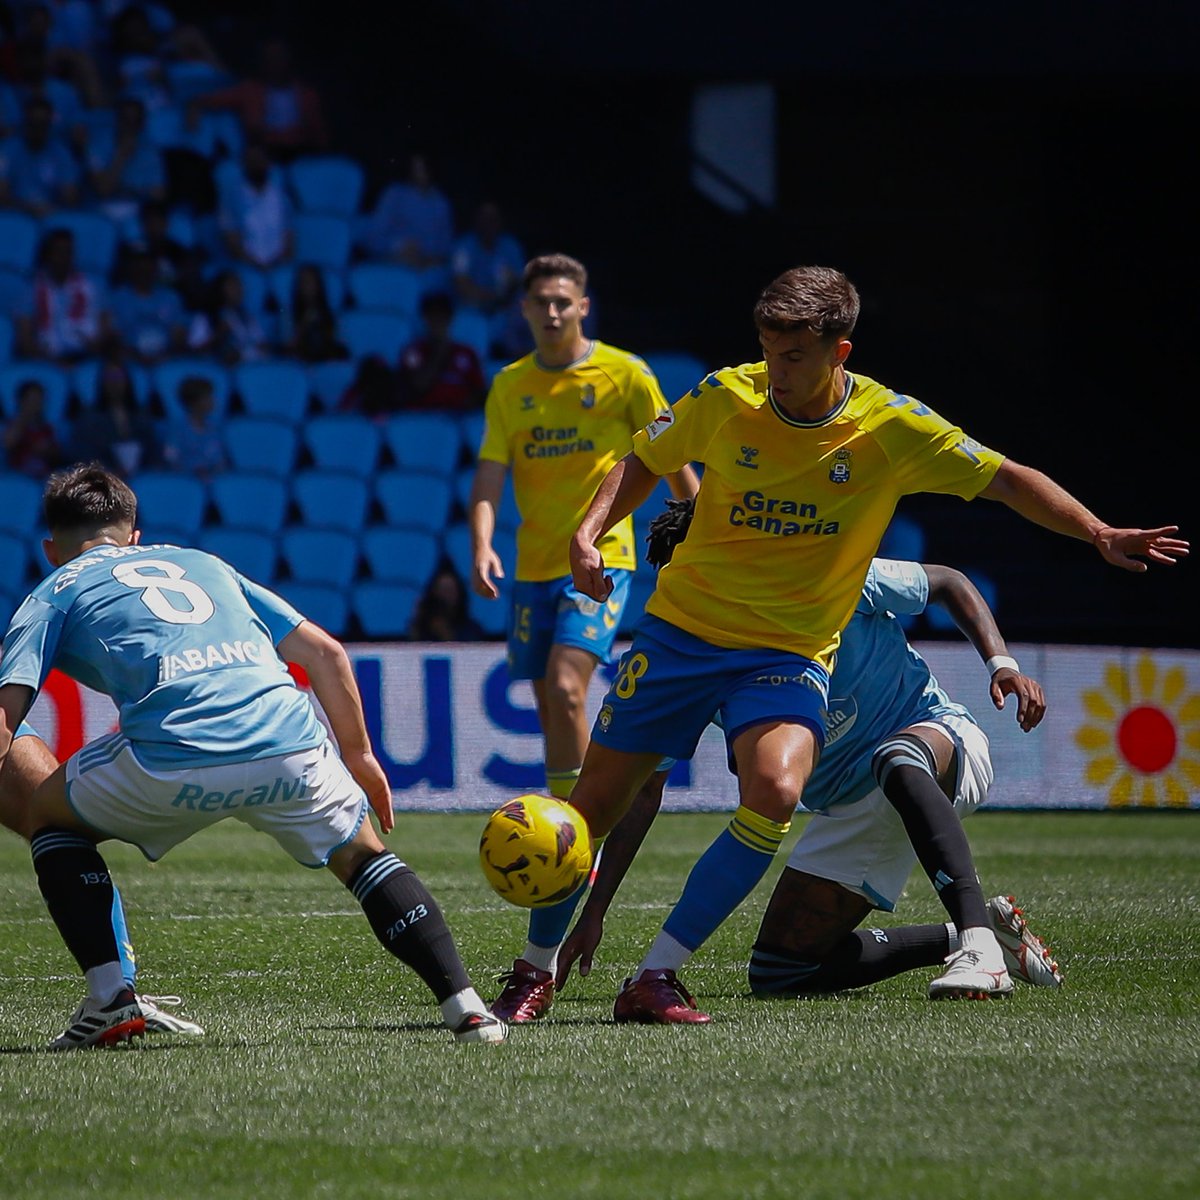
(749, 454)
(587, 398)
(526, 403)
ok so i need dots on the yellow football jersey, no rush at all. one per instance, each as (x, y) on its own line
(789, 513)
(560, 431)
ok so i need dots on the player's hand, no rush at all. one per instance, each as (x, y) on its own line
(1118, 545)
(1031, 700)
(580, 946)
(487, 567)
(369, 776)
(587, 571)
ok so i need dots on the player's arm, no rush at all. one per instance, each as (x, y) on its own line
(620, 849)
(962, 600)
(628, 484)
(329, 671)
(1037, 498)
(486, 491)
(684, 484)
(15, 702)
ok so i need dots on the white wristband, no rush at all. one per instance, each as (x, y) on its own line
(998, 662)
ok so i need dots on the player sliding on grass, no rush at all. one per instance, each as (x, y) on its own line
(804, 463)
(210, 726)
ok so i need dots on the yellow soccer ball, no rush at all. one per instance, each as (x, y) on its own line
(535, 851)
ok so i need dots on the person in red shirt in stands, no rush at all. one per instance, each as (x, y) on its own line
(436, 372)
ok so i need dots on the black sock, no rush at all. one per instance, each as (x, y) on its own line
(78, 892)
(862, 957)
(408, 922)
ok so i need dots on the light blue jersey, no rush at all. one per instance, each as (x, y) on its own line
(880, 685)
(183, 644)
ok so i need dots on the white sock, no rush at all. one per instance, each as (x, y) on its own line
(955, 940)
(545, 958)
(665, 955)
(104, 982)
(984, 941)
(460, 1004)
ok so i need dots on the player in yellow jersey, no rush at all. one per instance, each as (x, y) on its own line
(559, 419)
(804, 464)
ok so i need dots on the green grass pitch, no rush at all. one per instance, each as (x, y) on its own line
(325, 1074)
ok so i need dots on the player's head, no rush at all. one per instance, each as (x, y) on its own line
(555, 299)
(86, 506)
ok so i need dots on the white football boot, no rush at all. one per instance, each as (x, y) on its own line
(1025, 955)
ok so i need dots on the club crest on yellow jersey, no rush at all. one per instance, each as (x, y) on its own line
(840, 471)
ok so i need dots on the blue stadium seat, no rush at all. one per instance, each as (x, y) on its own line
(472, 329)
(677, 372)
(407, 556)
(322, 239)
(327, 183)
(328, 556)
(386, 287)
(323, 605)
(95, 238)
(384, 610)
(14, 554)
(261, 444)
(272, 389)
(6, 338)
(328, 381)
(188, 79)
(18, 241)
(250, 500)
(414, 499)
(343, 442)
(470, 427)
(382, 333)
(255, 285)
(55, 384)
(508, 515)
(85, 379)
(492, 615)
(254, 554)
(903, 539)
(331, 499)
(940, 619)
(279, 280)
(423, 441)
(167, 377)
(170, 501)
(14, 291)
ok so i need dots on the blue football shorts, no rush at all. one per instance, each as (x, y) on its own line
(671, 684)
(551, 612)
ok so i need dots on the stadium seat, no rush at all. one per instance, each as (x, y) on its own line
(323, 605)
(167, 377)
(384, 610)
(327, 183)
(14, 554)
(6, 338)
(407, 556)
(322, 239)
(272, 389)
(254, 554)
(95, 238)
(170, 501)
(250, 500)
(18, 241)
(14, 291)
(492, 616)
(55, 384)
(508, 516)
(470, 428)
(343, 442)
(261, 444)
(472, 329)
(188, 79)
(677, 372)
(423, 441)
(328, 381)
(328, 556)
(386, 287)
(255, 286)
(382, 333)
(414, 499)
(331, 499)
(85, 380)
(279, 280)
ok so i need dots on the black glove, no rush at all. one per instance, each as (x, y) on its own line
(667, 530)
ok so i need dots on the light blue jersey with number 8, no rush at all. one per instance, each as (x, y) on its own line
(183, 644)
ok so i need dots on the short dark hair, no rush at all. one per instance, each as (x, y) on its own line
(87, 497)
(818, 298)
(437, 301)
(554, 266)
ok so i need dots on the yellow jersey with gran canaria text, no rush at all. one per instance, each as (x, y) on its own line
(560, 431)
(790, 513)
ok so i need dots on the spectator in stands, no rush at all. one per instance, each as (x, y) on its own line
(278, 108)
(230, 330)
(437, 372)
(412, 224)
(175, 265)
(442, 613)
(136, 47)
(307, 322)
(37, 170)
(148, 317)
(194, 442)
(372, 392)
(67, 319)
(39, 74)
(487, 265)
(116, 429)
(30, 442)
(128, 167)
(255, 212)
